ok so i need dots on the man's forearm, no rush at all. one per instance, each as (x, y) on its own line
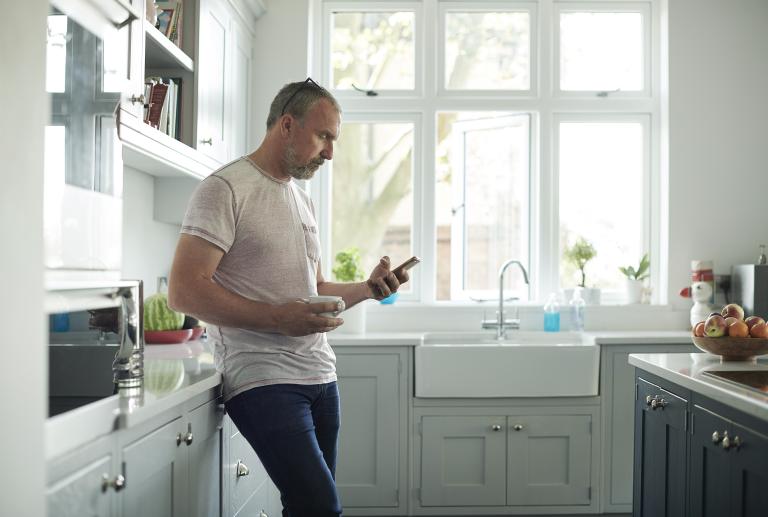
(352, 292)
(208, 301)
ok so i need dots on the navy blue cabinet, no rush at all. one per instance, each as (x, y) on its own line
(696, 457)
(660, 452)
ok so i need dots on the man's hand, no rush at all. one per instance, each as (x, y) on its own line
(301, 319)
(384, 282)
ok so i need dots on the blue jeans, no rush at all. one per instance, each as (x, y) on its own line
(294, 430)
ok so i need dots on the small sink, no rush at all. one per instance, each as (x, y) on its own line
(526, 364)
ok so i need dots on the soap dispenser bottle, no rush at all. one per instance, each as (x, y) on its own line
(577, 310)
(552, 314)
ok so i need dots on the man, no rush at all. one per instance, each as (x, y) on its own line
(247, 259)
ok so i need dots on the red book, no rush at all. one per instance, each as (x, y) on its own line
(156, 100)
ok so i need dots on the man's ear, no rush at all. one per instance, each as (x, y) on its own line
(286, 124)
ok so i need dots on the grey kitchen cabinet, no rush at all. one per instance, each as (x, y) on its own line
(659, 451)
(126, 51)
(155, 473)
(549, 460)
(371, 471)
(245, 480)
(523, 459)
(617, 395)
(463, 461)
(168, 466)
(83, 483)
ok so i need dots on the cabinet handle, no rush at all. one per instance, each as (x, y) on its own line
(648, 400)
(726, 441)
(241, 469)
(495, 427)
(118, 483)
(737, 442)
(716, 438)
(188, 438)
(207, 141)
(518, 427)
(263, 514)
(658, 403)
(138, 100)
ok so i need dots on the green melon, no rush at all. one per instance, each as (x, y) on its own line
(158, 316)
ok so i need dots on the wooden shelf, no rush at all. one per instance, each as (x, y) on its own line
(161, 53)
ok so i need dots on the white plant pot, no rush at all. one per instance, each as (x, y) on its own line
(633, 290)
(354, 320)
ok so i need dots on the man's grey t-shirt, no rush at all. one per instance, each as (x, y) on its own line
(268, 232)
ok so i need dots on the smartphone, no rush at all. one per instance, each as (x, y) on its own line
(408, 264)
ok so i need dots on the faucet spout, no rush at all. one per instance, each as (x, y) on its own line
(501, 324)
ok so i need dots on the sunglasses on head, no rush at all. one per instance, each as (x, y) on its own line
(308, 82)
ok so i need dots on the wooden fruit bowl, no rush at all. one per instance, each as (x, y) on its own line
(733, 348)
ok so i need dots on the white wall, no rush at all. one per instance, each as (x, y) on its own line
(148, 245)
(718, 69)
(23, 368)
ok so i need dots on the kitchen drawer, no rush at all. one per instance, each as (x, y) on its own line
(669, 407)
(243, 486)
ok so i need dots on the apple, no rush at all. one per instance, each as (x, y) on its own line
(759, 330)
(738, 329)
(733, 310)
(730, 320)
(752, 320)
(698, 330)
(714, 326)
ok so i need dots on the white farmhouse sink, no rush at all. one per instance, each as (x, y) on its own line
(526, 364)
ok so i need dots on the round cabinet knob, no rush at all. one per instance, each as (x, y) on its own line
(138, 100)
(518, 427)
(737, 442)
(118, 483)
(188, 438)
(241, 469)
(263, 514)
(726, 443)
(495, 427)
(648, 400)
(658, 402)
(716, 438)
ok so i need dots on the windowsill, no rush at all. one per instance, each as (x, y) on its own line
(405, 316)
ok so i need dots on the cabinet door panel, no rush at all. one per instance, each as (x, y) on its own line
(367, 467)
(709, 465)
(155, 474)
(549, 460)
(239, 108)
(212, 79)
(660, 454)
(205, 461)
(749, 473)
(463, 461)
(79, 494)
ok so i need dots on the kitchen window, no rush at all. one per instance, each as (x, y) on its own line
(479, 131)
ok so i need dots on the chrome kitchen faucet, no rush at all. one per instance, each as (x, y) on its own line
(500, 323)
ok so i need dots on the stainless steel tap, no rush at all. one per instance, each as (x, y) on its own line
(500, 323)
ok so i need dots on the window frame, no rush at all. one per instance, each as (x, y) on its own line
(486, 6)
(544, 106)
(616, 6)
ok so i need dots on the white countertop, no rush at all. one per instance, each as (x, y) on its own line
(625, 337)
(173, 374)
(687, 370)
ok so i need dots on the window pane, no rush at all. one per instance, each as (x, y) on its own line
(601, 51)
(487, 51)
(601, 198)
(373, 50)
(372, 192)
(481, 201)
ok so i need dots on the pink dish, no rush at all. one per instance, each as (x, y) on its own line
(167, 337)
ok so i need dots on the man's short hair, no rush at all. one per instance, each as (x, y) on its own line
(296, 99)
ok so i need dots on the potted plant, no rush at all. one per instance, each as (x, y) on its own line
(634, 279)
(579, 254)
(347, 269)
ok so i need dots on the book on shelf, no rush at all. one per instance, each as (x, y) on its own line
(163, 112)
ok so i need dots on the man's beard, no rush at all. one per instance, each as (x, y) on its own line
(301, 172)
